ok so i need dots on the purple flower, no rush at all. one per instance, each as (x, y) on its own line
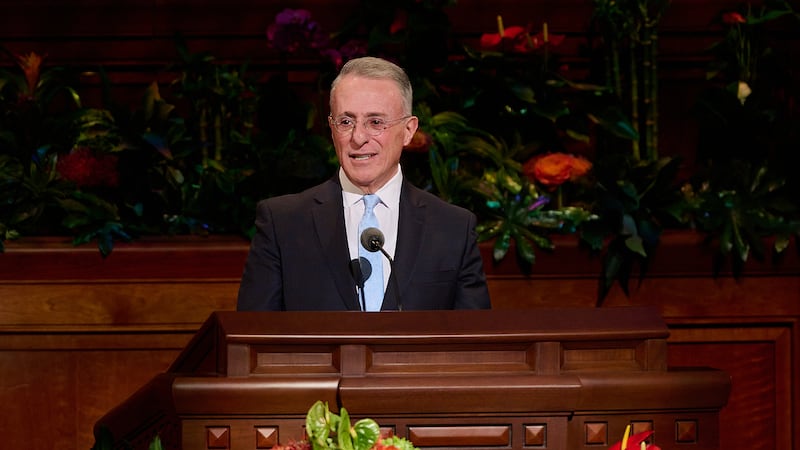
(541, 201)
(293, 29)
(293, 16)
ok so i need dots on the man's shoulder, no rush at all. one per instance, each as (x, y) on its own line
(324, 191)
(421, 197)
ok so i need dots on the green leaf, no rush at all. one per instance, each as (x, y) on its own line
(367, 433)
(156, 444)
(524, 249)
(343, 432)
(634, 244)
(501, 246)
(318, 424)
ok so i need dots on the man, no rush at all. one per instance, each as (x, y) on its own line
(423, 251)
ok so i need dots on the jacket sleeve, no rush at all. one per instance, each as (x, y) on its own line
(472, 291)
(261, 287)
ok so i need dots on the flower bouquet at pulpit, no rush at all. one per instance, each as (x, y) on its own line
(634, 442)
(326, 430)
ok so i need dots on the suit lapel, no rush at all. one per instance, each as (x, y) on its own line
(409, 229)
(333, 240)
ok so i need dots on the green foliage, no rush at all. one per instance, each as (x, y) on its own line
(326, 430)
(198, 152)
(194, 164)
(635, 201)
(739, 207)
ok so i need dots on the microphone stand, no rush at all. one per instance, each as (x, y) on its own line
(361, 270)
(395, 288)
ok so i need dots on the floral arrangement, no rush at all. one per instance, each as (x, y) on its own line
(329, 431)
(504, 131)
(634, 442)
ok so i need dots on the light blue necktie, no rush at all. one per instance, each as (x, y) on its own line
(373, 286)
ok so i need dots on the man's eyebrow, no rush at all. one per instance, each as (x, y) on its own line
(367, 115)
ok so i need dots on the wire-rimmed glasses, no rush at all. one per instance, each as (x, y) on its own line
(374, 126)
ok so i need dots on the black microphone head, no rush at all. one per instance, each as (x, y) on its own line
(358, 274)
(366, 269)
(372, 239)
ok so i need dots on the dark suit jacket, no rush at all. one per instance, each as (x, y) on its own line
(299, 259)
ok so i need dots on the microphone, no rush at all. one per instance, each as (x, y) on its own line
(361, 269)
(372, 239)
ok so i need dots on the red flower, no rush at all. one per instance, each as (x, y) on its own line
(400, 22)
(420, 143)
(635, 442)
(294, 445)
(492, 40)
(733, 18)
(519, 40)
(85, 168)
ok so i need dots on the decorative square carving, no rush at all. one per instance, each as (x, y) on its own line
(640, 426)
(536, 435)
(686, 431)
(596, 433)
(266, 437)
(218, 437)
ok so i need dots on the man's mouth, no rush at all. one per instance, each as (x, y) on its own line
(363, 157)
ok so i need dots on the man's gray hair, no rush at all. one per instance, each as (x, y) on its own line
(379, 69)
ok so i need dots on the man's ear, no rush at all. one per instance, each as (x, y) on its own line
(411, 128)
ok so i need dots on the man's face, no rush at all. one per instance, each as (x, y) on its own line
(370, 161)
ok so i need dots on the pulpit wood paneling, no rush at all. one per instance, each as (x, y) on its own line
(124, 318)
(446, 379)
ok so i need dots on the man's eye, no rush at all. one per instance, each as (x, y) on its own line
(345, 122)
(376, 122)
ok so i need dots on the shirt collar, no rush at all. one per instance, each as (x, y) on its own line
(389, 193)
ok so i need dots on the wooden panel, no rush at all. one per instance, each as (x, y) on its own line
(759, 360)
(440, 405)
(146, 297)
(54, 390)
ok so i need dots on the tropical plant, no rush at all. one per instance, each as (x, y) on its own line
(506, 130)
(744, 188)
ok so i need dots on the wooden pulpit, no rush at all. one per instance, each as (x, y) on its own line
(554, 379)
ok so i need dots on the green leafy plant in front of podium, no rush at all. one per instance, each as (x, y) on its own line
(326, 430)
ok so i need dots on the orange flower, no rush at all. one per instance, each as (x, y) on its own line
(31, 64)
(580, 167)
(554, 169)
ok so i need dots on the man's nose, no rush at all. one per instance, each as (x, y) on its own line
(360, 133)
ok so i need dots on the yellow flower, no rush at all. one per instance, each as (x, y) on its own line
(743, 92)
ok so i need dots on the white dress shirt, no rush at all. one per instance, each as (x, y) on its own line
(387, 212)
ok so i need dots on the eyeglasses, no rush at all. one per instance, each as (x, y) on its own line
(373, 125)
